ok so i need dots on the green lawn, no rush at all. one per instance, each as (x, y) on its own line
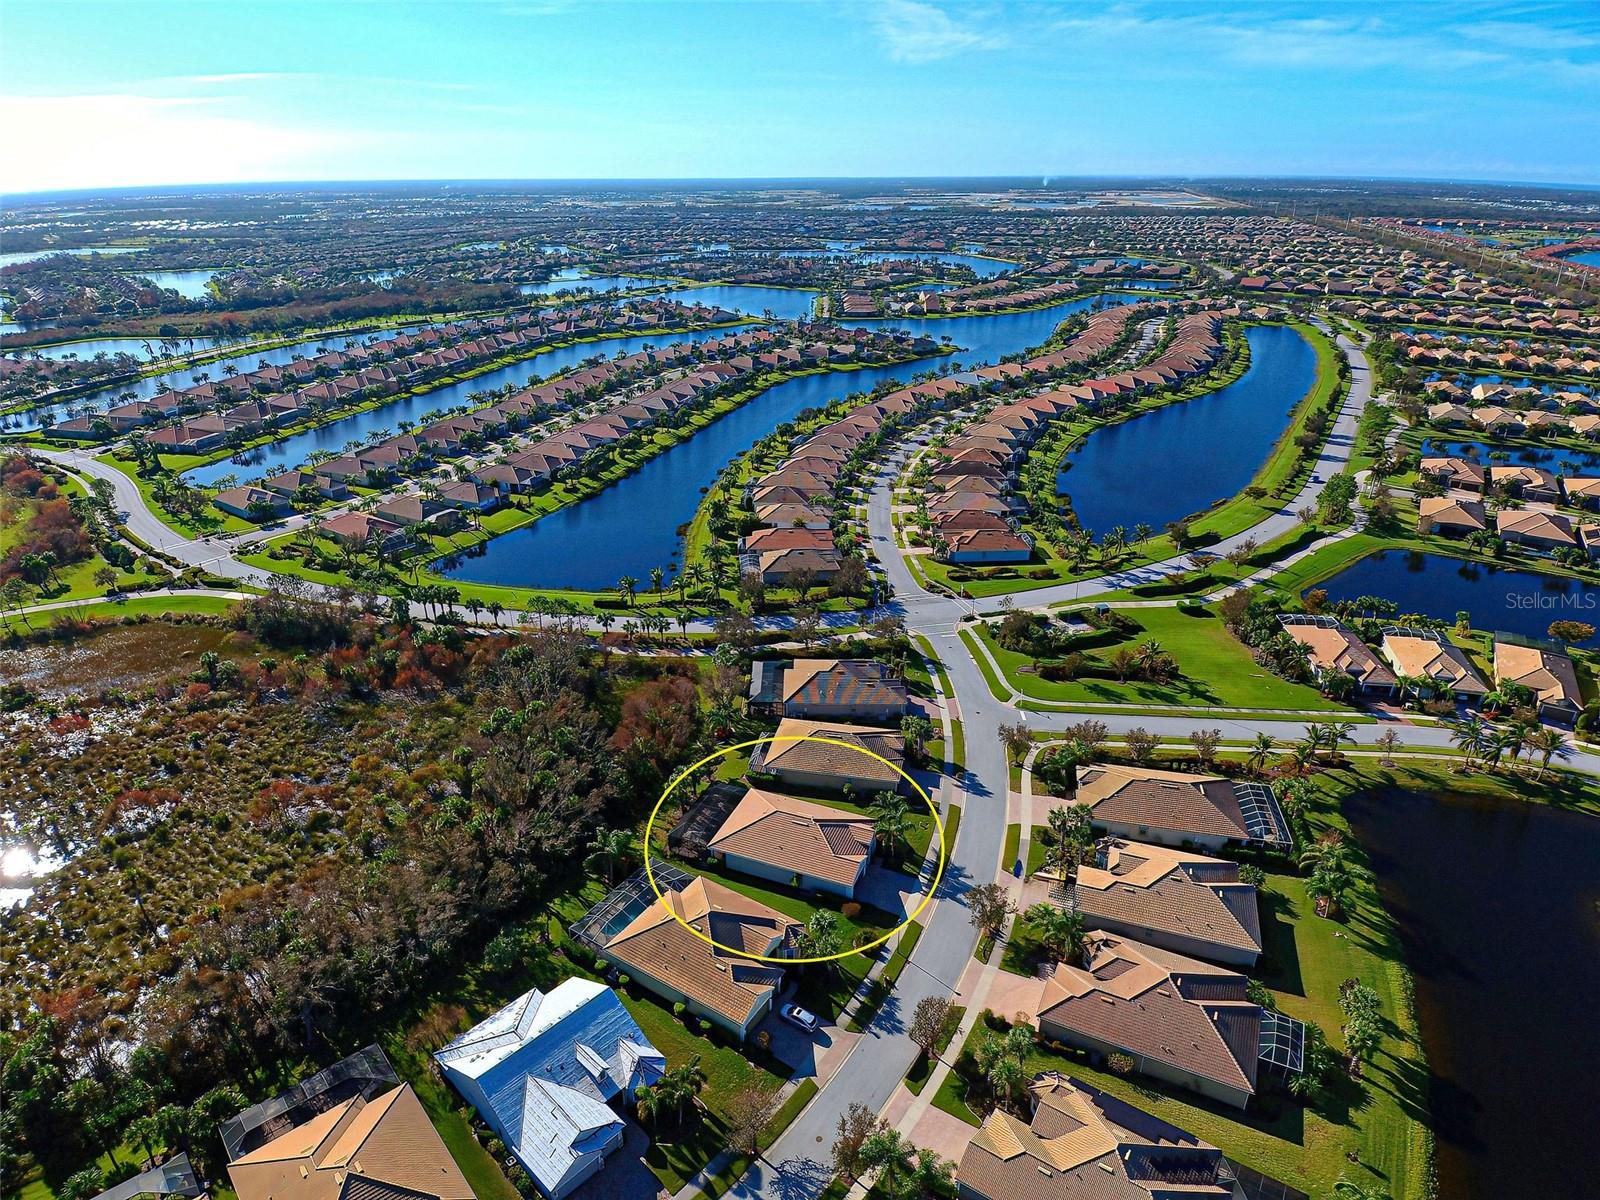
(1216, 668)
(922, 1069)
(1008, 856)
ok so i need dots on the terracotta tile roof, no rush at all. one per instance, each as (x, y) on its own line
(1203, 805)
(1548, 672)
(1085, 1145)
(1158, 1005)
(658, 946)
(1169, 891)
(388, 1139)
(823, 758)
(795, 835)
(842, 681)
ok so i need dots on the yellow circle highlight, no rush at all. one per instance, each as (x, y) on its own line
(927, 896)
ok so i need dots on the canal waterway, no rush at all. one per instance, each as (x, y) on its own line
(364, 426)
(1177, 460)
(1499, 599)
(1498, 907)
(635, 524)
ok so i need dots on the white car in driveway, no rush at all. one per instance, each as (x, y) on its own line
(800, 1017)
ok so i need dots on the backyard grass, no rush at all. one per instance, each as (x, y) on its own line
(1216, 669)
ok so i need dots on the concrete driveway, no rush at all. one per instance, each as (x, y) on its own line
(893, 891)
(809, 1055)
(625, 1175)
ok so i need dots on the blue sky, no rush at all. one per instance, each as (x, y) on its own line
(132, 94)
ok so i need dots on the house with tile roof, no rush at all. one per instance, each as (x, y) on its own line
(1172, 808)
(1180, 1020)
(543, 1071)
(1450, 517)
(378, 1148)
(1426, 654)
(1547, 671)
(1084, 1144)
(1335, 650)
(828, 689)
(1187, 903)
(829, 756)
(718, 982)
(796, 842)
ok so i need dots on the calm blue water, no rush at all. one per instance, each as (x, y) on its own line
(1587, 257)
(89, 347)
(360, 427)
(191, 285)
(1177, 460)
(1500, 599)
(633, 525)
(989, 338)
(150, 386)
(1549, 457)
(575, 278)
(787, 304)
(24, 256)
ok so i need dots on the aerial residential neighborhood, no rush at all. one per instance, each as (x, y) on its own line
(899, 601)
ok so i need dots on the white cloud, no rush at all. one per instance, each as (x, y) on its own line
(129, 140)
(916, 32)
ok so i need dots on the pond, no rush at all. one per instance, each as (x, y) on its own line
(569, 279)
(1499, 599)
(15, 257)
(149, 386)
(1589, 258)
(787, 304)
(1498, 907)
(1201, 450)
(361, 427)
(634, 525)
(191, 285)
(1554, 458)
(981, 265)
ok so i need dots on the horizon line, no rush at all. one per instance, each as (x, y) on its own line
(1049, 181)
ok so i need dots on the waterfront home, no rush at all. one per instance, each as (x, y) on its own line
(290, 482)
(330, 1139)
(190, 437)
(1547, 671)
(1423, 654)
(420, 510)
(1181, 1020)
(1494, 419)
(1183, 902)
(828, 689)
(1453, 472)
(761, 541)
(542, 1072)
(1528, 483)
(1546, 531)
(1143, 804)
(798, 516)
(1582, 492)
(986, 546)
(796, 842)
(1334, 650)
(252, 503)
(361, 529)
(1446, 413)
(1084, 1144)
(719, 982)
(1450, 517)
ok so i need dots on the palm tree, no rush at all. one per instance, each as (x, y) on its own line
(1548, 743)
(626, 587)
(657, 576)
(610, 846)
(889, 1153)
(1060, 932)
(1471, 737)
(892, 817)
(1260, 750)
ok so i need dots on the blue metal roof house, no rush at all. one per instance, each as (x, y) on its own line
(541, 1071)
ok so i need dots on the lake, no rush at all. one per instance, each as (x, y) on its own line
(1200, 450)
(150, 386)
(633, 525)
(1552, 458)
(576, 279)
(191, 285)
(786, 304)
(25, 256)
(360, 427)
(1499, 599)
(1498, 907)
(1589, 258)
(981, 266)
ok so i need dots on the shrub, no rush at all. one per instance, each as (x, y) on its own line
(850, 910)
(679, 1009)
(1120, 1064)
